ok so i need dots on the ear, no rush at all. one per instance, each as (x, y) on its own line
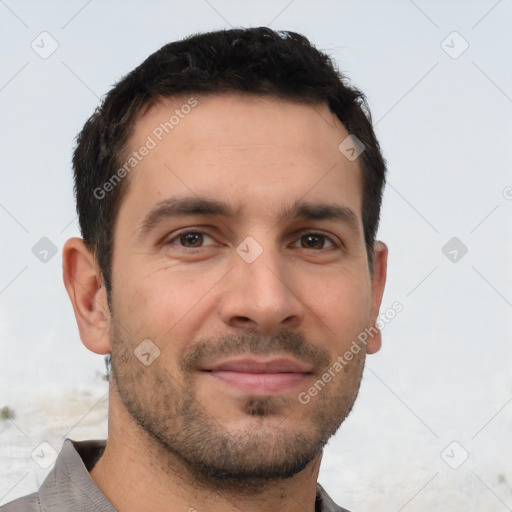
(84, 284)
(380, 265)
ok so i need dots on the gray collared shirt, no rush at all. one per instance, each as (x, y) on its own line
(68, 487)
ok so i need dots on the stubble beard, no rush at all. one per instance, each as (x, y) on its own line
(183, 435)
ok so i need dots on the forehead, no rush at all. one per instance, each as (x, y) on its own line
(245, 149)
(196, 121)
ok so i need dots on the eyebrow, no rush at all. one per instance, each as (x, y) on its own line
(193, 205)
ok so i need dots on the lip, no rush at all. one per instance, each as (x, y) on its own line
(259, 376)
(246, 364)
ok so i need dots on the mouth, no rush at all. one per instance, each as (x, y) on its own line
(259, 376)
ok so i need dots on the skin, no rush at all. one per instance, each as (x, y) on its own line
(307, 302)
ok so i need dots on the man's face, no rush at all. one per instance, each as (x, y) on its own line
(248, 310)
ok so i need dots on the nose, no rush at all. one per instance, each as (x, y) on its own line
(261, 295)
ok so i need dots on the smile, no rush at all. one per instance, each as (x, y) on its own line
(259, 376)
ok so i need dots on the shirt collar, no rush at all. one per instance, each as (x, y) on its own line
(69, 484)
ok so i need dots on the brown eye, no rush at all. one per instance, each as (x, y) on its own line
(191, 239)
(314, 241)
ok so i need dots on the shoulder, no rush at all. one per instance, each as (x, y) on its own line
(324, 502)
(29, 503)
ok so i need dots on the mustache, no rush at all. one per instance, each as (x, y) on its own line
(283, 342)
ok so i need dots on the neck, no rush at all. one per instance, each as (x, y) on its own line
(136, 473)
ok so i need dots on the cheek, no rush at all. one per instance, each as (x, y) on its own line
(341, 300)
(152, 296)
(164, 306)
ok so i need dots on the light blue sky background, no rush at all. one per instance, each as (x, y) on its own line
(444, 124)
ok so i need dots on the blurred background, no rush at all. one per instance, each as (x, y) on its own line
(432, 424)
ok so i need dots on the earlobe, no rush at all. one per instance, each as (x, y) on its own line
(380, 264)
(84, 284)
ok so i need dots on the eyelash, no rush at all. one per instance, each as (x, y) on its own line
(199, 232)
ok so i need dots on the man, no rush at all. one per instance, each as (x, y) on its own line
(229, 192)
